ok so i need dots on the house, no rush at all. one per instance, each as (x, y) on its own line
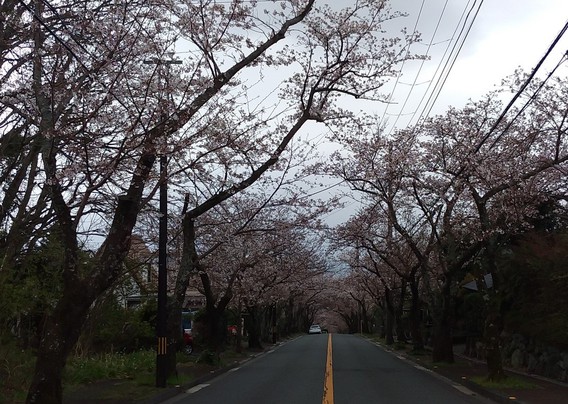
(140, 281)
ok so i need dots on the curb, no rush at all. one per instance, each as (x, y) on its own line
(172, 392)
(474, 387)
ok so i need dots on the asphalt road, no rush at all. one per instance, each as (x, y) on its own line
(350, 369)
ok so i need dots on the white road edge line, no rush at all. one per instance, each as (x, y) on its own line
(195, 389)
(463, 389)
(234, 369)
(422, 368)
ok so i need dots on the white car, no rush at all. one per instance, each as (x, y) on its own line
(314, 329)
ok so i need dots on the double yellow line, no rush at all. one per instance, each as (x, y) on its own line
(328, 382)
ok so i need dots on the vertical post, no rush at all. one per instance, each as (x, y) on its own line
(162, 315)
(360, 317)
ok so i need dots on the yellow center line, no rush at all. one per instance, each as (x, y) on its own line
(328, 382)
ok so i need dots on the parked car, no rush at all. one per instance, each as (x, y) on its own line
(187, 341)
(314, 329)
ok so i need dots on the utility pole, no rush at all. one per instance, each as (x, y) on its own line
(162, 315)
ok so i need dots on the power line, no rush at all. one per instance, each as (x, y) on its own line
(446, 70)
(530, 100)
(458, 40)
(420, 70)
(402, 66)
(522, 89)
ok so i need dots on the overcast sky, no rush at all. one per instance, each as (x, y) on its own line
(505, 34)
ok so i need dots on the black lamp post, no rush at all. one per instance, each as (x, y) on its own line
(162, 315)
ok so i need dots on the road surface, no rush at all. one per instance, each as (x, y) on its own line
(327, 369)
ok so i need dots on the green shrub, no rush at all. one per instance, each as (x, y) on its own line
(112, 328)
(81, 370)
(16, 366)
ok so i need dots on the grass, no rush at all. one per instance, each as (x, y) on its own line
(108, 376)
(109, 366)
(114, 375)
(16, 366)
(510, 382)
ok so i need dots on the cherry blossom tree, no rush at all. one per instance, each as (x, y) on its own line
(339, 54)
(250, 251)
(496, 176)
(458, 183)
(390, 229)
(89, 118)
(289, 262)
(71, 103)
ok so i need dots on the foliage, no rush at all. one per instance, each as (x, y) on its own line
(208, 357)
(28, 290)
(81, 370)
(137, 367)
(112, 328)
(535, 287)
(438, 197)
(510, 382)
(16, 364)
(473, 311)
(89, 101)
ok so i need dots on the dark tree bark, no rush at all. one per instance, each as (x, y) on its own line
(416, 317)
(442, 347)
(400, 331)
(493, 327)
(253, 323)
(389, 318)
(61, 329)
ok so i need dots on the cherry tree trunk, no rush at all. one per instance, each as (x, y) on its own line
(213, 328)
(239, 336)
(442, 344)
(416, 318)
(389, 328)
(177, 299)
(60, 332)
(253, 324)
(494, 320)
(493, 329)
(389, 318)
(400, 334)
(365, 326)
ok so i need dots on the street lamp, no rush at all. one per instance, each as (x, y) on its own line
(162, 315)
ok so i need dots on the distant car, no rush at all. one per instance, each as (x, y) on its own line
(187, 341)
(314, 329)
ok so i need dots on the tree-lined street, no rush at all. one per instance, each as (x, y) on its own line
(294, 373)
(169, 171)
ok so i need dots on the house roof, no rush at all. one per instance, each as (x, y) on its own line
(472, 285)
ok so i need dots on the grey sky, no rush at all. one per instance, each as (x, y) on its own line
(505, 35)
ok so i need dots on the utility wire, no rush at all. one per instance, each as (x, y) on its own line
(446, 70)
(522, 88)
(431, 81)
(531, 98)
(420, 69)
(402, 66)
(517, 95)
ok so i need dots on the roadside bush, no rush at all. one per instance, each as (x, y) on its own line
(16, 365)
(110, 366)
(112, 328)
